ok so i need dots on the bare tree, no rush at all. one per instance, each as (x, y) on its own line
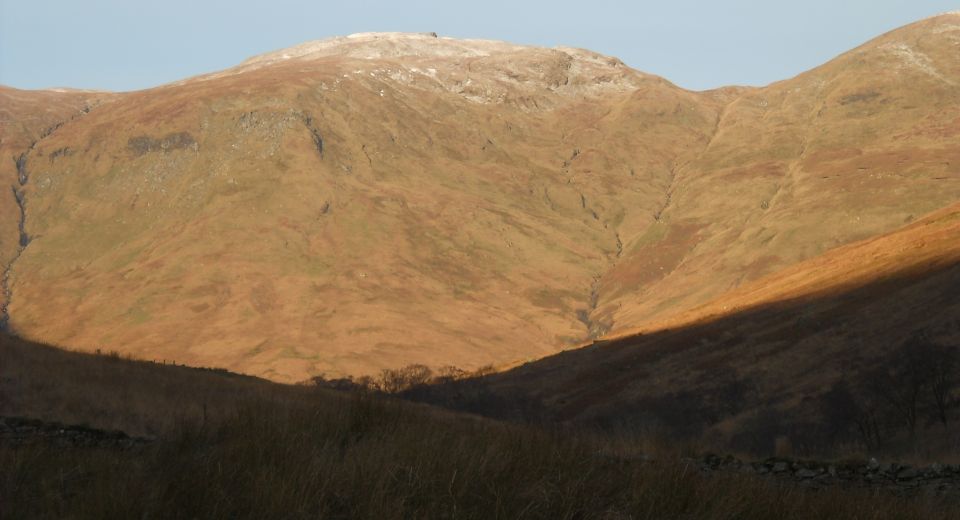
(901, 383)
(394, 381)
(450, 373)
(845, 408)
(940, 364)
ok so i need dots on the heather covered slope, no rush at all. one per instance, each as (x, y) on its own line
(379, 200)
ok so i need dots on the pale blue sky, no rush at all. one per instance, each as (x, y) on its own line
(130, 44)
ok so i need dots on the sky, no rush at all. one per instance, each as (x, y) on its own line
(125, 45)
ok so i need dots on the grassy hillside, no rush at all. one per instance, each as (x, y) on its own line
(453, 202)
(849, 150)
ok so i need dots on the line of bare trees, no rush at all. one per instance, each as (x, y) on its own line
(914, 386)
(401, 380)
(448, 387)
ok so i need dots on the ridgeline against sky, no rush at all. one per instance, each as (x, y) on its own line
(118, 45)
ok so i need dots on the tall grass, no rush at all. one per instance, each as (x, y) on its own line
(364, 456)
(237, 447)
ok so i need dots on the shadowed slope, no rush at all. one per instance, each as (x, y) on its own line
(107, 391)
(783, 340)
(266, 450)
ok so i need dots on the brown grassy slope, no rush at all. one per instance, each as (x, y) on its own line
(790, 335)
(848, 150)
(269, 451)
(25, 117)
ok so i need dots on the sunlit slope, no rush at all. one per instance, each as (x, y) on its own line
(856, 147)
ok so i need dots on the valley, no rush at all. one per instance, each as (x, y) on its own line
(324, 210)
(402, 275)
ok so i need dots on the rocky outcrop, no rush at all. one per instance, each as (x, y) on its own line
(899, 479)
(24, 240)
(20, 198)
(314, 133)
(480, 71)
(18, 431)
(143, 144)
(22, 244)
(21, 164)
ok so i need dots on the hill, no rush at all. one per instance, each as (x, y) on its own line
(372, 201)
(849, 150)
(252, 220)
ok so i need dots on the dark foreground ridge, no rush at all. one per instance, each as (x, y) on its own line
(239, 447)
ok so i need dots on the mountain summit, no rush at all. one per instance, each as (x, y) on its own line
(483, 71)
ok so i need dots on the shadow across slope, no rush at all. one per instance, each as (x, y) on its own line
(108, 391)
(761, 370)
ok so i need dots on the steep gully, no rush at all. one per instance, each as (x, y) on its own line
(596, 328)
(20, 198)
